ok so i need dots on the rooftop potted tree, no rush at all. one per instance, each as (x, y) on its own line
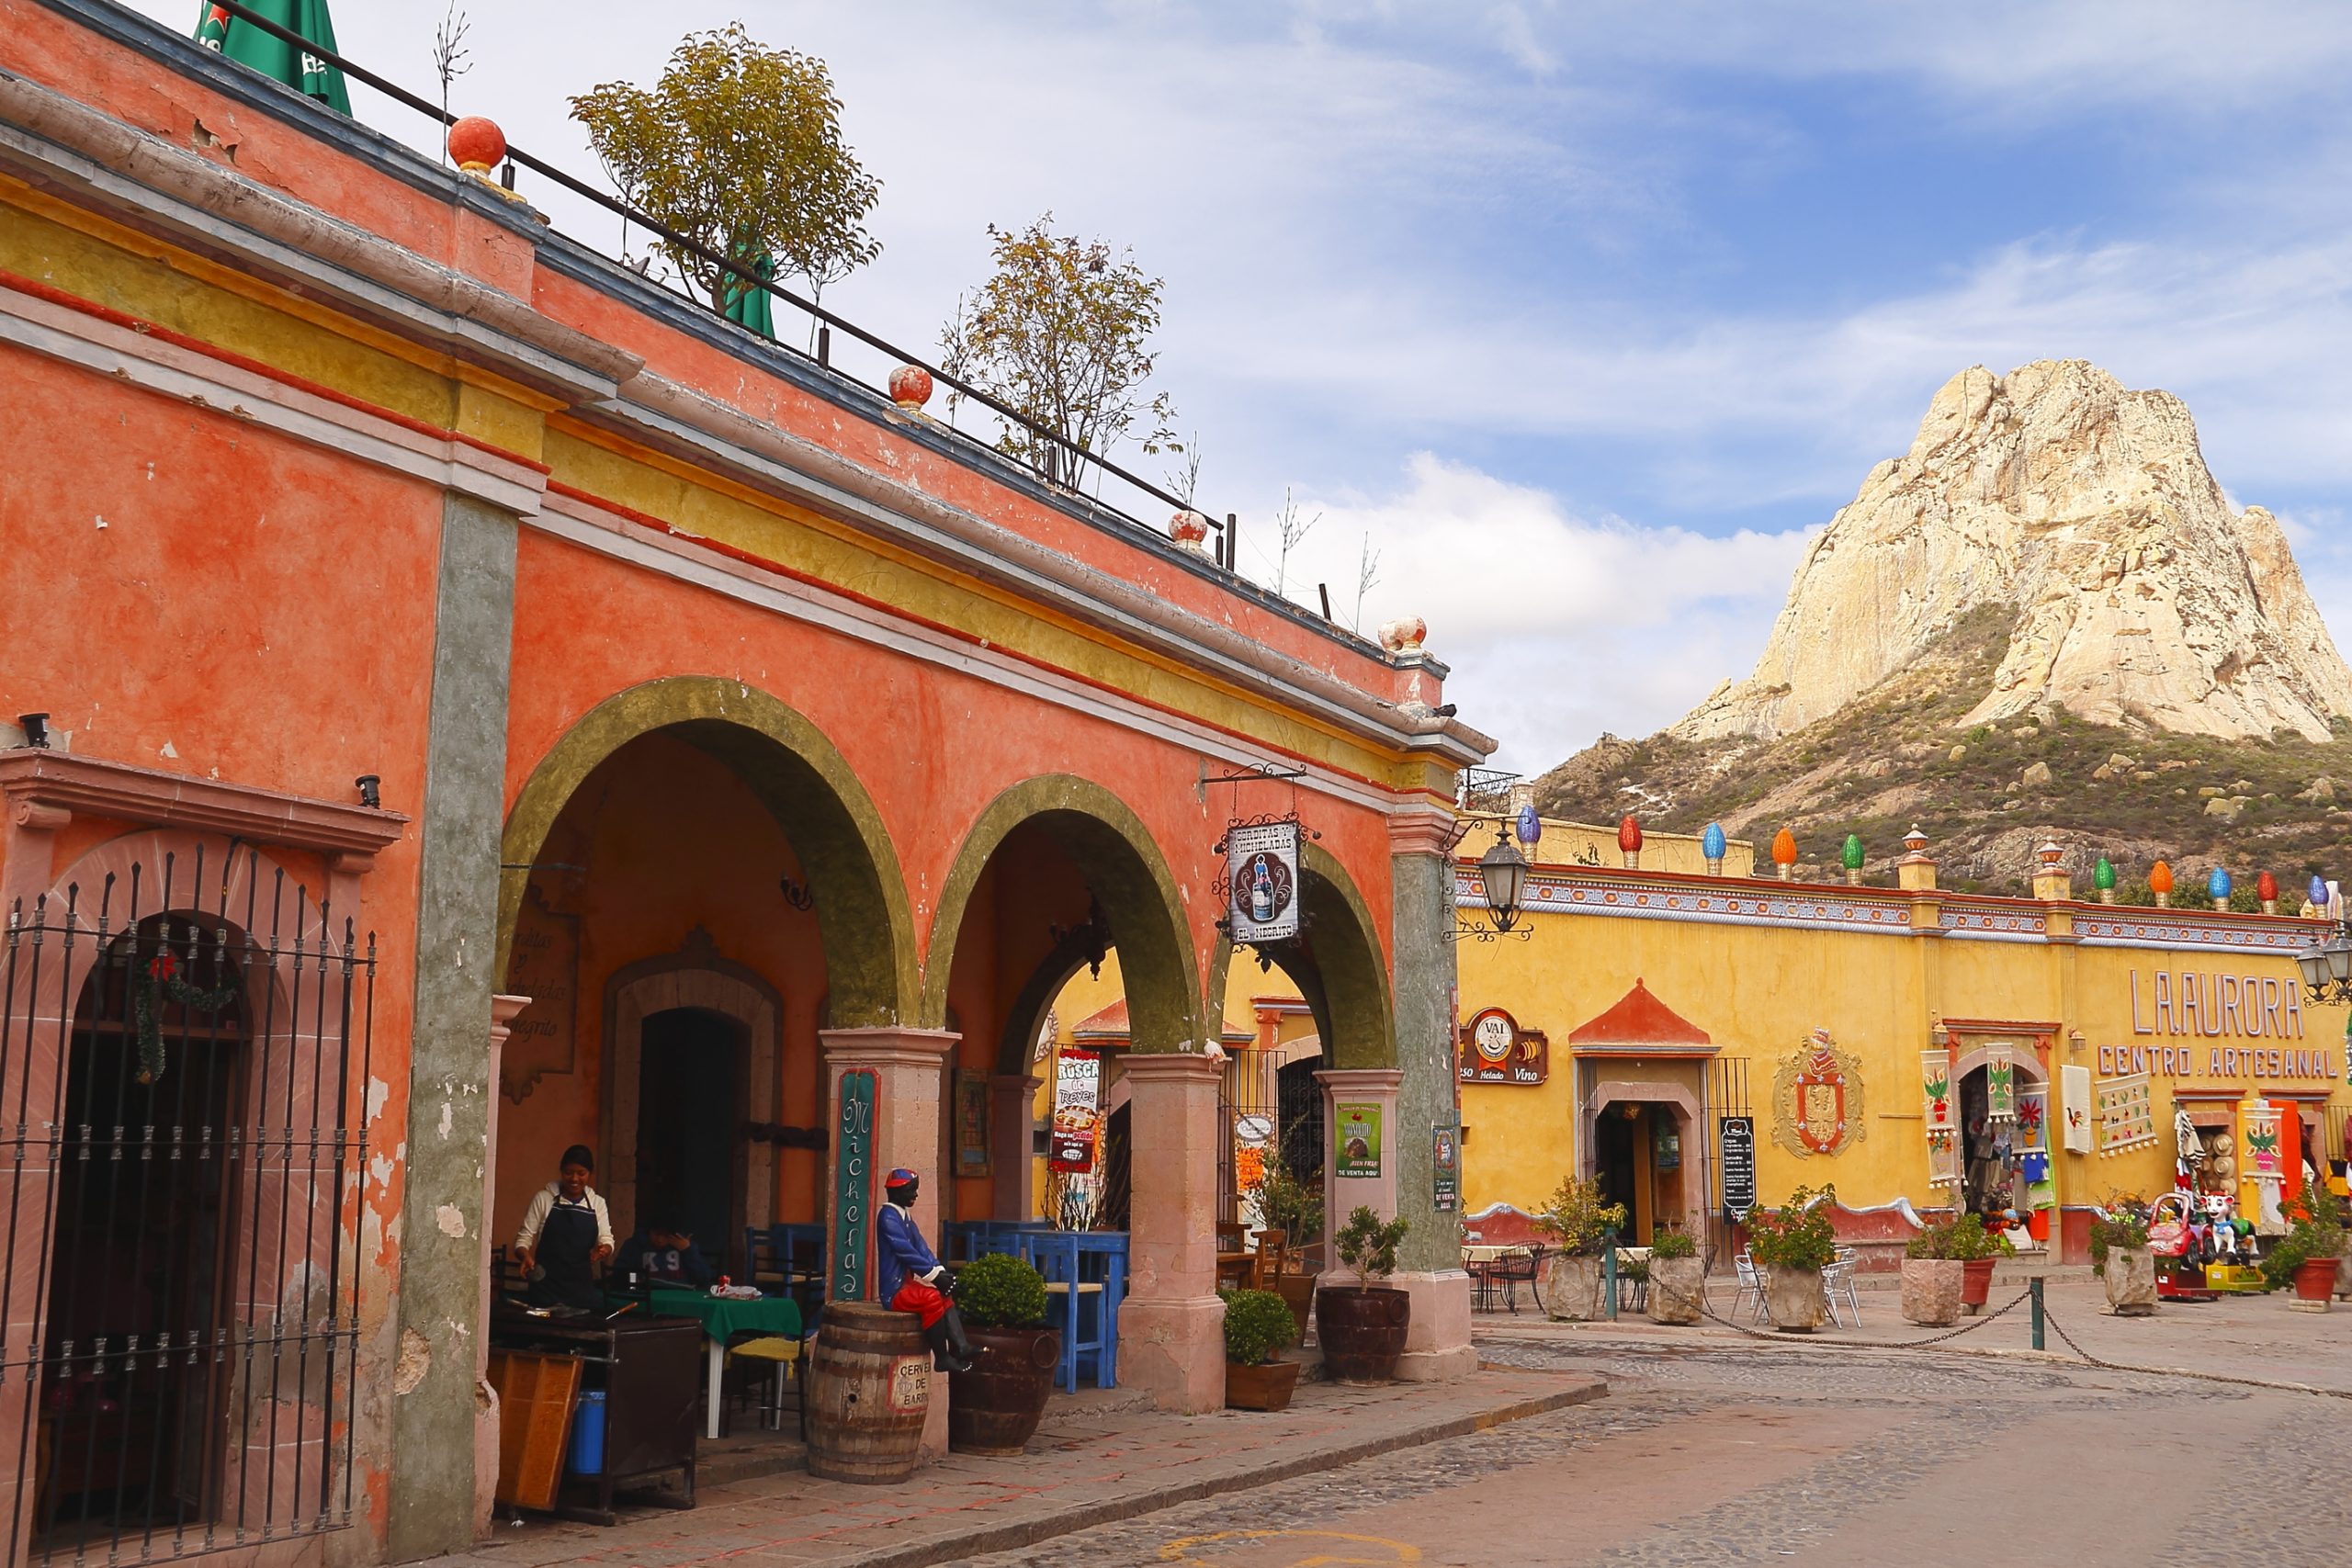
(1256, 1325)
(1932, 1278)
(1581, 1225)
(1362, 1327)
(2120, 1256)
(1677, 1277)
(1793, 1244)
(995, 1407)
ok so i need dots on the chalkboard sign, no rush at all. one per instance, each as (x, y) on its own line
(853, 1184)
(1736, 1136)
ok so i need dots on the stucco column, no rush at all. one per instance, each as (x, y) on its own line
(1420, 848)
(1171, 1327)
(1375, 1087)
(909, 1068)
(1013, 1120)
(502, 1010)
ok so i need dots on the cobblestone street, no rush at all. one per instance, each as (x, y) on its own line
(1770, 1454)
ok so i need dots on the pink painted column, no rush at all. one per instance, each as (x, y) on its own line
(1437, 1335)
(1013, 1120)
(1171, 1327)
(502, 1010)
(910, 1066)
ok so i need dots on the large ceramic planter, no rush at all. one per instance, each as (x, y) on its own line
(1677, 1289)
(1569, 1288)
(1266, 1386)
(2314, 1283)
(1297, 1291)
(1361, 1331)
(2131, 1279)
(1976, 1282)
(1793, 1299)
(1931, 1288)
(995, 1407)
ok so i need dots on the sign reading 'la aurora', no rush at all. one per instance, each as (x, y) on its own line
(2188, 1002)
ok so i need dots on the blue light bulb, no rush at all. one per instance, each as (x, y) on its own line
(1711, 843)
(2318, 892)
(2218, 884)
(1529, 828)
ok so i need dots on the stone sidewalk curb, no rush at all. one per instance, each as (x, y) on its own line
(1012, 1535)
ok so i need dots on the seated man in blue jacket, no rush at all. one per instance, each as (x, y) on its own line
(913, 1280)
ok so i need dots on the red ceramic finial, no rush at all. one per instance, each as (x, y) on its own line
(476, 144)
(1628, 834)
(2160, 878)
(910, 387)
(1784, 847)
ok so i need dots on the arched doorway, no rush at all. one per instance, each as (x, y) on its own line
(2003, 1142)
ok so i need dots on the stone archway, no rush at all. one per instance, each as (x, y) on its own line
(693, 976)
(863, 915)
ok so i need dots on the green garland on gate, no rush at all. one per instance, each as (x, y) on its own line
(160, 978)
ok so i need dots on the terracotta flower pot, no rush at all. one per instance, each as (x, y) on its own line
(1297, 1291)
(1976, 1282)
(1793, 1299)
(1569, 1288)
(996, 1406)
(1932, 1291)
(2314, 1283)
(1362, 1330)
(1266, 1386)
(1677, 1289)
(2130, 1278)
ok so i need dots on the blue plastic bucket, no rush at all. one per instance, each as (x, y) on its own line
(588, 1434)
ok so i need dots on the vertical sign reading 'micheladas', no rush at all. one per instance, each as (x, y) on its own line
(853, 1184)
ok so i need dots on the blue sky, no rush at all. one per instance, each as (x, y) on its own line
(1581, 314)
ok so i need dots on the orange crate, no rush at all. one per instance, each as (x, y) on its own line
(535, 1393)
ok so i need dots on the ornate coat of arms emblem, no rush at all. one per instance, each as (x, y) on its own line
(1818, 1098)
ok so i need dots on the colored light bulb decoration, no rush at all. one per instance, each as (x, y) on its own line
(2160, 884)
(1784, 854)
(1712, 844)
(2217, 887)
(1527, 826)
(2103, 878)
(1628, 841)
(2265, 888)
(2319, 893)
(1853, 858)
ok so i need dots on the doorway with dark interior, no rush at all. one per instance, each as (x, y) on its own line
(690, 1122)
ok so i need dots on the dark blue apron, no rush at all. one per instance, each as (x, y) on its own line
(566, 1250)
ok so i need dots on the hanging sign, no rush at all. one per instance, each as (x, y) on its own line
(1935, 1089)
(2127, 1114)
(2033, 1122)
(1078, 1115)
(1445, 1170)
(1261, 862)
(1355, 1139)
(2074, 1106)
(1735, 1136)
(2000, 1083)
(854, 1184)
(1494, 1049)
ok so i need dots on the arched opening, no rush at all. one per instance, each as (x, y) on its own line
(2004, 1144)
(696, 887)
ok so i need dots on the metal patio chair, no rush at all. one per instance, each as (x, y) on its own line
(1751, 1286)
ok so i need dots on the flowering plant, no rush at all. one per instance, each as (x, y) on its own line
(1797, 1234)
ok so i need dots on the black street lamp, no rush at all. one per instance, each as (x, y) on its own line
(1502, 877)
(2327, 968)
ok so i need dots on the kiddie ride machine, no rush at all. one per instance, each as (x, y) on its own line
(2203, 1250)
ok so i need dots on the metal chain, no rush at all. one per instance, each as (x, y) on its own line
(1970, 1326)
(2053, 1322)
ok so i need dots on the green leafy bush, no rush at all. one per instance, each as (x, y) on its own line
(1933, 1242)
(2120, 1221)
(1287, 1204)
(999, 1291)
(1970, 1241)
(2313, 1230)
(1257, 1324)
(1798, 1234)
(1672, 1243)
(1369, 1247)
(1576, 1218)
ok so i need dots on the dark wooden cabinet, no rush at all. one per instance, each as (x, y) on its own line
(651, 1371)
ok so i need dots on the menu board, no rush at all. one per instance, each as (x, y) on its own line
(1735, 1136)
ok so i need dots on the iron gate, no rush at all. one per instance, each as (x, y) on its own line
(182, 1147)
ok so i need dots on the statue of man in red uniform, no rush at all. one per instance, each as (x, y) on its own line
(913, 1280)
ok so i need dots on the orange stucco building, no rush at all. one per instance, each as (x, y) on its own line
(456, 673)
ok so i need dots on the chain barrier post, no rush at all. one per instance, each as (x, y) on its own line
(1608, 1273)
(2034, 1285)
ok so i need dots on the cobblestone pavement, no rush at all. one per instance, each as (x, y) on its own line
(1722, 1453)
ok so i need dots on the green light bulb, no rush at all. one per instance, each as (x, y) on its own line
(2103, 874)
(1853, 851)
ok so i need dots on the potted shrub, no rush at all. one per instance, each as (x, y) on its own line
(1678, 1278)
(1977, 1251)
(1580, 1226)
(1932, 1278)
(1258, 1324)
(1362, 1327)
(2121, 1258)
(995, 1407)
(1295, 1208)
(2306, 1256)
(1792, 1244)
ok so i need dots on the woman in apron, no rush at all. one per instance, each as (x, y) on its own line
(565, 1234)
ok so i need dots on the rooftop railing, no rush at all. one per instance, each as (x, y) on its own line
(1082, 458)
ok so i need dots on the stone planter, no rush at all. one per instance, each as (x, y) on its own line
(996, 1406)
(2131, 1279)
(1677, 1289)
(1362, 1330)
(1569, 1288)
(2314, 1283)
(1975, 1283)
(1793, 1299)
(1266, 1386)
(1931, 1288)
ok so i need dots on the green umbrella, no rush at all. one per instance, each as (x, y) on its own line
(750, 306)
(272, 55)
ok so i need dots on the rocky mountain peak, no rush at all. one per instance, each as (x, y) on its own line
(2083, 513)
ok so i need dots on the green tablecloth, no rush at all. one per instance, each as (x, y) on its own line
(722, 1320)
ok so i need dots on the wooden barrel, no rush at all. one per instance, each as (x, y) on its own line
(868, 1392)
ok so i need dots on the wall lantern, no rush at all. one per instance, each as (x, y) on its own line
(2327, 969)
(1502, 879)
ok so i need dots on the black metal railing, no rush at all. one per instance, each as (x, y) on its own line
(1081, 456)
(182, 1144)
